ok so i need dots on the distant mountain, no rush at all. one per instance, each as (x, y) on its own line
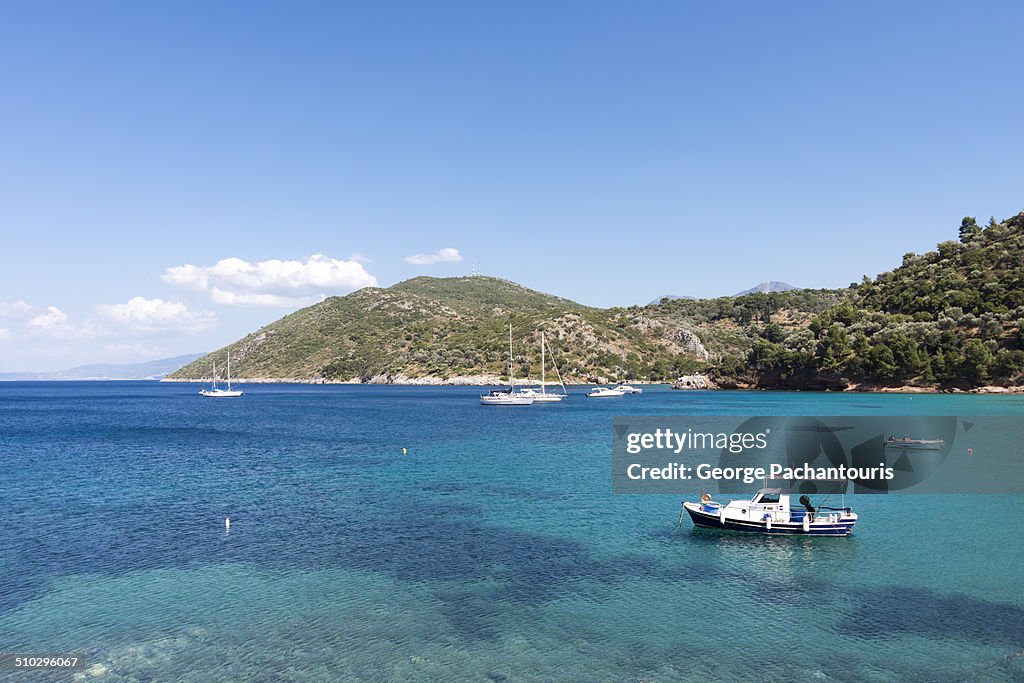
(770, 286)
(154, 369)
(670, 297)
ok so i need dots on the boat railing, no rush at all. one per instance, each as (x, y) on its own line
(821, 514)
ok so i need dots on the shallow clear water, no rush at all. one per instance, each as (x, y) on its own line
(493, 550)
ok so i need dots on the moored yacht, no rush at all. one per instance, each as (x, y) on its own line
(604, 392)
(627, 389)
(543, 396)
(214, 391)
(507, 397)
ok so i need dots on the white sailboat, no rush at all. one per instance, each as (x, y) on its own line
(214, 392)
(543, 396)
(507, 397)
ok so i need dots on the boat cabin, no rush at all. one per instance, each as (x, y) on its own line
(770, 500)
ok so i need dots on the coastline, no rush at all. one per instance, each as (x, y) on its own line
(495, 380)
(913, 389)
(398, 379)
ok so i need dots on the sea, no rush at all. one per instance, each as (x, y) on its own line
(396, 533)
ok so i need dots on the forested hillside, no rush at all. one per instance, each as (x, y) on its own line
(441, 329)
(952, 317)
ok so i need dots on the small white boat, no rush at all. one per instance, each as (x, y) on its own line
(214, 392)
(507, 397)
(769, 512)
(604, 392)
(915, 444)
(627, 389)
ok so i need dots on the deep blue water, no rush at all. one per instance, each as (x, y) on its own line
(493, 550)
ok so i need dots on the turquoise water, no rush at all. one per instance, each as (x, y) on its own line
(493, 550)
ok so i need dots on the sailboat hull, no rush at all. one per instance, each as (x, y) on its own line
(506, 401)
(219, 393)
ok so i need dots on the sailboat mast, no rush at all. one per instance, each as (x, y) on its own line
(557, 372)
(543, 384)
(511, 382)
(229, 371)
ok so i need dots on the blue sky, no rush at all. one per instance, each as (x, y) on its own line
(607, 152)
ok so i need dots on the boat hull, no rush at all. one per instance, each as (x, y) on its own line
(916, 445)
(843, 526)
(505, 401)
(219, 393)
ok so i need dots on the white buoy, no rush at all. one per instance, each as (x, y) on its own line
(227, 524)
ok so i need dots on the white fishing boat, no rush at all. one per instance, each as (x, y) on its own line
(214, 391)
(627, 389)
(915, 444)
(604, 392)
(543, 396)
(507, 397)
(769, 512)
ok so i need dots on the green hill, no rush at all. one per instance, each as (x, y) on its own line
(444, 328)
(949, 318)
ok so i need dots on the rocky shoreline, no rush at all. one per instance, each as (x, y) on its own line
(704, 383)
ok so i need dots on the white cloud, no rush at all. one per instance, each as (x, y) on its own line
(16, 310)
(446, 255)
(228, 298)
(55, 323)
(236, 282)
(151, 315)
(52, 319)
(186, 276)
(141, 351)
(359, 258)
(4, 333)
